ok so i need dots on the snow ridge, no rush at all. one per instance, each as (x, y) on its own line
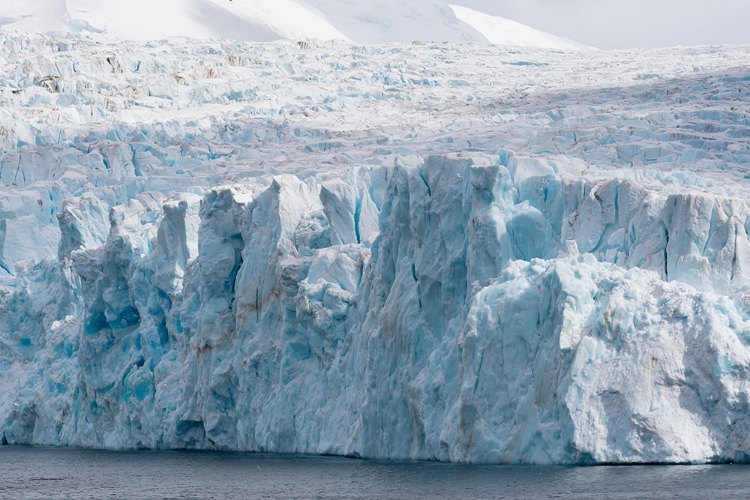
(502, 31)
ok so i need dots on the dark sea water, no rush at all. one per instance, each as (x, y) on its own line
(27, 473)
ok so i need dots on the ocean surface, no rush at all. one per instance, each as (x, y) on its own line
(32, 472)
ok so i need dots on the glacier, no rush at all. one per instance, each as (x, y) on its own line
(449, 252)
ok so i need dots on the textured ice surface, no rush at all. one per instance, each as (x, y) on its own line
(433, 251)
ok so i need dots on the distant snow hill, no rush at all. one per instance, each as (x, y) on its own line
(359, 21)
(501, 31)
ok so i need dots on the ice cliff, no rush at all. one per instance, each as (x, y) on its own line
(431, 268)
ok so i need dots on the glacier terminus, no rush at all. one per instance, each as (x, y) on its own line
(443, 251)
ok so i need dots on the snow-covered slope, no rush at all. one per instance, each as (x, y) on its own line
(374, 21)
(503, 31)
(437, 251)
(383, 21)
(256, 20)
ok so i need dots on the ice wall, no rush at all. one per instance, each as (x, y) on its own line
(268, 316)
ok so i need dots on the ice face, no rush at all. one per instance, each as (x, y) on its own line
(271, 249)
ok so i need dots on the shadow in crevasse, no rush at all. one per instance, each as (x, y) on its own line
(731, 86)
(679, 122)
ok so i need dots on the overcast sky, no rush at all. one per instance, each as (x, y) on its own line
(630, 23)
